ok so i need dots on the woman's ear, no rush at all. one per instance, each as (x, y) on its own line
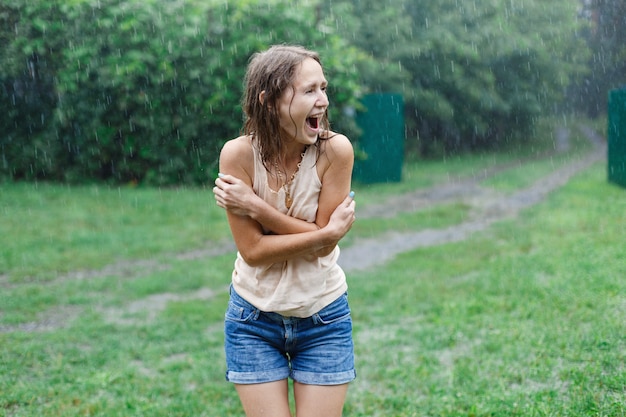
(262, 99)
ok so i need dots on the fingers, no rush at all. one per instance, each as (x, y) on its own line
(230, 192)
(218, 190)
(348, 205)
(225, 178)
(218, 197)
(349, 199)
(352, 204)
(222, 181)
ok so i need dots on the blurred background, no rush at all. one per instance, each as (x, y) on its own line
(147, 91)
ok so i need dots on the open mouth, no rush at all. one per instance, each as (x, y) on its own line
(313, 122)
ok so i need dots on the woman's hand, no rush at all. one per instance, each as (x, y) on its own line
(234, 195)
(342, 218)
(340, 223)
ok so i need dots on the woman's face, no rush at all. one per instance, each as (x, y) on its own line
(302, 107)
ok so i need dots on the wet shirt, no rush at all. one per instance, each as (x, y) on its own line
(298, 287)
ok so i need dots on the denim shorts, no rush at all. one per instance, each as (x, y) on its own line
(265, 347)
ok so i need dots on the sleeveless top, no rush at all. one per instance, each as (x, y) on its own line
(298, 287)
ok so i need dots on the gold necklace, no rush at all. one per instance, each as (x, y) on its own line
(287, 185)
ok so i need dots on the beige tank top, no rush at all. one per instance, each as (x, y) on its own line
(298, 287)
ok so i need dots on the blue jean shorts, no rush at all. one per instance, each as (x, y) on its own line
(264, 347)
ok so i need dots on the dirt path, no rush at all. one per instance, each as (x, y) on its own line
(487, 207)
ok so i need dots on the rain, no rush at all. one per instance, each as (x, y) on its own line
(484, 267)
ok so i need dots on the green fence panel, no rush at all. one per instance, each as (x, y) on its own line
(617, 137)
(382, 141)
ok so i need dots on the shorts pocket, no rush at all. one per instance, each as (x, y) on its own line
(335, 312)
(241, 313)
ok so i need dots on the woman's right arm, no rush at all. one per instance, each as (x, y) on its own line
(236, 196)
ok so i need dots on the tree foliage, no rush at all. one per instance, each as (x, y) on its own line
(148, 91)
(473, 74)
(606, 35)
(143, 91)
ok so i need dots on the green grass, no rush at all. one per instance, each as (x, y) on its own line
(50, 229)
(428, 173)
(525, 172)
(528, 319)
(525, 319)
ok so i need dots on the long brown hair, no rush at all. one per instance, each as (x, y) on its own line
(272, 71)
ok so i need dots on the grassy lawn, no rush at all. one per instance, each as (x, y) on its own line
(528, 319)
(51, 229)
(525, 319)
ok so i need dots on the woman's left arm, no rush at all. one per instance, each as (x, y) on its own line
(336, 176)
(335, 170)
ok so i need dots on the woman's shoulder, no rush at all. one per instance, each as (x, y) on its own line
(238, 146)
(337, 145)
(238, 152)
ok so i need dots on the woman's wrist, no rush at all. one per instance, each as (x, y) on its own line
(327, 236)
(253, 207)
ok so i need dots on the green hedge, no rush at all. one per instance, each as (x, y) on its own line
(147, 91)
(139, 91)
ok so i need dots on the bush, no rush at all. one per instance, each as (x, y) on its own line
(145, 91)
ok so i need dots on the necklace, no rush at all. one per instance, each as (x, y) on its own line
(287, 184)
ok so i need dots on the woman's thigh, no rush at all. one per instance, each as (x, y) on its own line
(319, 400)
(270, 399)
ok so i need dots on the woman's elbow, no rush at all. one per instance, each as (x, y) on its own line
(252, 257)
(325, 251)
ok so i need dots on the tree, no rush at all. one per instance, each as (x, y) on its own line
(473, 74)
(606, 37)
(491, 68)
(27, 96)
(148, 91)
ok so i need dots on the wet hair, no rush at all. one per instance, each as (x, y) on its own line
(272, 71)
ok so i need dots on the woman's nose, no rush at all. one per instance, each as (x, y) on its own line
(322, 99)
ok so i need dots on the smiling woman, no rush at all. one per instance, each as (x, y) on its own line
(285, 188)
(302, 105)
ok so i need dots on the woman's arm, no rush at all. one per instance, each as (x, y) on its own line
(234, 195)
(335, 171)
(257, 248)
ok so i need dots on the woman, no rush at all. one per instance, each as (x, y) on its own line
(285, 185)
